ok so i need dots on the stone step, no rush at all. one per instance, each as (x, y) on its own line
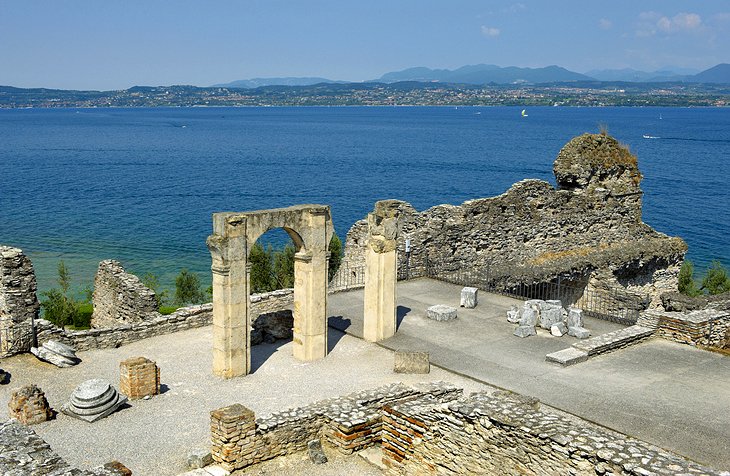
(614, 340)
(582, 351)
(567, 356)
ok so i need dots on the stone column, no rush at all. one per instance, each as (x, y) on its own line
(231, 329)
(310, 294)
(381, 271)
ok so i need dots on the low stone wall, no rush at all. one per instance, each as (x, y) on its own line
(120, 297)
(180, 320)
(705, 328)
(348, 423)
(506, 434)
(24, 452)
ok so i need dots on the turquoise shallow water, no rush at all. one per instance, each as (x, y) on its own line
(139, 185)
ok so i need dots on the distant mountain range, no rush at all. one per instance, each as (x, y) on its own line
(491, 74)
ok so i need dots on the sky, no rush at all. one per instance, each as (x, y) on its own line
(113, 44)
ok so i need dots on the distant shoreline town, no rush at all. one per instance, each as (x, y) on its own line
(404, 93)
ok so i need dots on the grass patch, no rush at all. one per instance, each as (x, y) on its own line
(166, 310)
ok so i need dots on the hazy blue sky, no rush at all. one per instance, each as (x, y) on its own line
(105, 44)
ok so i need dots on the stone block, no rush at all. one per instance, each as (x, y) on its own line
(441, 312)
(525, 331)
(579, 332)
(550, 315)
(469, 297)
(567, 356)
(514, 315)
(316, 454)
(575, 317)
(199, 458)
(29, 406)
(559, 329)
(411, 362)
(529, 317)
(4, 377)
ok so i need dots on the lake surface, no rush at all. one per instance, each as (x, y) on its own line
(140, 185)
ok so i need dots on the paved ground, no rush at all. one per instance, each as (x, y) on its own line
(152, 437)
(670, 395)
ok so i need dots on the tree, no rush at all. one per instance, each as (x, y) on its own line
(716, 281)
(152, 281)
(262, 275)
(335, 255)
(284, 267)
(687, 285)
(60, 307)
(187, 288)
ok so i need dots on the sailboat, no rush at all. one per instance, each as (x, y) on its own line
(524, 113)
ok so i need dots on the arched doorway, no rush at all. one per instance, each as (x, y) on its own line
(234, 233)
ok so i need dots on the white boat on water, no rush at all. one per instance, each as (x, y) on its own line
(524, 113)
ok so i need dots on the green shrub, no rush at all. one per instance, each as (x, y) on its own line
(59, 306)
(187, 288)
(335, 256)
(152, 281)
(687, 285)
(166, 310)
(262, 275)
(716, 281)
(82, 319)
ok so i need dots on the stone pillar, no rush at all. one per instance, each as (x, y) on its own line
(19, 305)
(231, 329)
(139, 377)
(381, 271)
(310, 294)
(233, 430)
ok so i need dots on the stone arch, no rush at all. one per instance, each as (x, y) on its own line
(234, 233)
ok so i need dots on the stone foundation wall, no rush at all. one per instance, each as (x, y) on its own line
(348, 423)
(704, 328)
(120, 297)
(588, 231)
(434, 429)
(23, 452)
(504, 434)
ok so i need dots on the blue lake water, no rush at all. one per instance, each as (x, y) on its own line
(140, 185)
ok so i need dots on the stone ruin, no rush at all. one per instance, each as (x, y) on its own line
(93, 400)
(120, 297)
(139, 377)
(56, 353)
(549, 315)
(29, 406)
(19, 305)
(589, 230)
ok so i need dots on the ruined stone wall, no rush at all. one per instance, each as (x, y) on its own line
(588, 230)
(120, 297)
(704, 328)
(156, 324)
(508, 434)
(19, 304)
(433, 429)
(347, 423)
(23, 452)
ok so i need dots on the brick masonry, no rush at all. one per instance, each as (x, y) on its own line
(139, 377)
(434, 429)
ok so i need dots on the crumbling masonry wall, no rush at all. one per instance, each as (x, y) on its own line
(19, 304)
(433, 429)
(588, 230)
(120, 297)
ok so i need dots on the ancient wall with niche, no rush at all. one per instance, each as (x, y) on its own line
(589, 230)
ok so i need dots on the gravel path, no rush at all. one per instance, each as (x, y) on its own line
(152, 437)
